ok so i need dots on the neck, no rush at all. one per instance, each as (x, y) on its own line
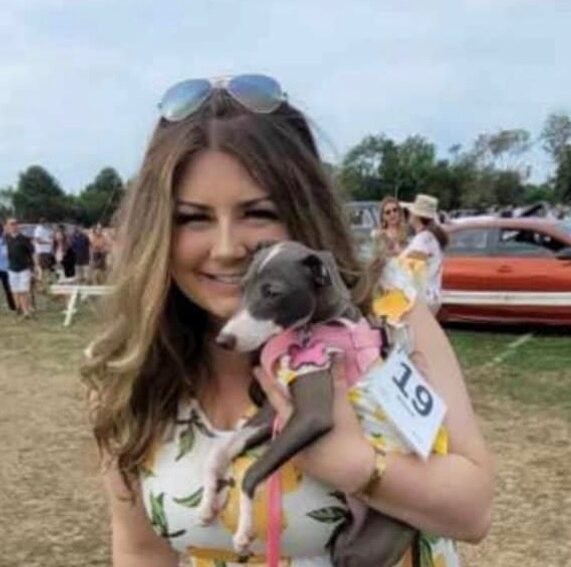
(230, 370)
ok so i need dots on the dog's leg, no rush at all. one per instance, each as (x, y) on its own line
(312, 397)
(371, 539)
(255, 431)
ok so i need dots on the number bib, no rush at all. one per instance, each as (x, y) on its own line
(409, 402)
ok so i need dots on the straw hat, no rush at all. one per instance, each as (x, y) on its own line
(424, 206)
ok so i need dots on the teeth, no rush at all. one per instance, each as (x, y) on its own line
(227, 279)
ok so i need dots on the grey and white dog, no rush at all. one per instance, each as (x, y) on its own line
(289, 285)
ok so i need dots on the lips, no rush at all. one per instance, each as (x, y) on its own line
(230, 279)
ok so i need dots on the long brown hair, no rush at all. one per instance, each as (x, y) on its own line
(439, 233)
(150, 352)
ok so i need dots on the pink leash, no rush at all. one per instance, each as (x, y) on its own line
(274, 512)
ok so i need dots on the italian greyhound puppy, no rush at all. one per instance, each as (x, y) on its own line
(291, 288)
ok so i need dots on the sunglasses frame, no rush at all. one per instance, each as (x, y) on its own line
(228, 83)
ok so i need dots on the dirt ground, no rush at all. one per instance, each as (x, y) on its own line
(53, 512)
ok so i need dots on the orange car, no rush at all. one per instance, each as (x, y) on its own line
(508, 270)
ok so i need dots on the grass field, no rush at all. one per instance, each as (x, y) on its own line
(53, 512)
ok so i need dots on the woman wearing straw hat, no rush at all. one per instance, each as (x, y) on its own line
(424, 254)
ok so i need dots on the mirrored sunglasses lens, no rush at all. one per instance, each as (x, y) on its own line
(183, 99)
(256, 92)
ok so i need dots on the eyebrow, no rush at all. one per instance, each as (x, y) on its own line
(242, 205)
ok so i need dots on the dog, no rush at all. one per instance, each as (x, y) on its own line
(291, 295)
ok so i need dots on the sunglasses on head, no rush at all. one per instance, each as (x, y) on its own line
(258, 93)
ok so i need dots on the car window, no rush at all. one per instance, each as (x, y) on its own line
(470, 241)
(565, 226)
(525, 242)
(361, 218)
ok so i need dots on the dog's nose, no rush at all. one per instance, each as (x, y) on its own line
(225, 340)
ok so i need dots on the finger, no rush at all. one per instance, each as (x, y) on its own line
(274, 392)
(338, 372)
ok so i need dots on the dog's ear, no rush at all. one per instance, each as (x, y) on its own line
(263, 244)
(319, 271)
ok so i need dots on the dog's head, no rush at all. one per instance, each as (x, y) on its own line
(286, 286)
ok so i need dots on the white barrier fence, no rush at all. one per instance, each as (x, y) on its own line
(77, 292)
(515, 298)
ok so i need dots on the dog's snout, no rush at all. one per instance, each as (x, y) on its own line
(226, 340)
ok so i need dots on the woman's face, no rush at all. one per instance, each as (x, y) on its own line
(416, 223)
(220, 215)
(391, 214)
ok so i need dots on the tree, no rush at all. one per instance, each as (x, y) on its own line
(38, 195)
(415, 166)
(378, 166)
(562, 180)
(6, 207)
(556, 135)
(360, 169)
(99, 200)
(503, 150)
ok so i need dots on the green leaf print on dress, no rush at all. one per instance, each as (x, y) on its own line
(425, 543)
(192, 500)
(188, 435)
(329, 515)
(159, 518)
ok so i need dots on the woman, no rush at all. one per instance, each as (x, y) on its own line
(392, 235)
(63, 252)
(99, 249)
(425, 252)
(232, 164)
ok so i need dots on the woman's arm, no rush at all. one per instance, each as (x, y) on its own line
(447, 495)
(134, 543)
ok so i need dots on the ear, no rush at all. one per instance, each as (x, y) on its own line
(264, 244)
(319, 272)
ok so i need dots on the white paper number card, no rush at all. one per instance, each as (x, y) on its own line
(415, 409)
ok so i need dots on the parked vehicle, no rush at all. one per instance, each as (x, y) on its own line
(508, 270)
(363, 218)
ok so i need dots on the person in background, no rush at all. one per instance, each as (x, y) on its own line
(99, 251)
(4, 271)
(392, 235)
(20, 265)
(81, 249)
(63, 252)
(43, 250)
(425, 252)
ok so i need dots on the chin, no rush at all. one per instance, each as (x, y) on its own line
(223, 309)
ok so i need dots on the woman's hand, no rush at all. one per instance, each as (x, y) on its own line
(342, 458)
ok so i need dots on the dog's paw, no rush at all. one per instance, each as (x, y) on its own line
(206, 514)
(242, 541)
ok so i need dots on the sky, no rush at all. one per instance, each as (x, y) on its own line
(80, 79)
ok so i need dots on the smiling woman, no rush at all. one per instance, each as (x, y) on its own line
(230, 165)
(221, 215)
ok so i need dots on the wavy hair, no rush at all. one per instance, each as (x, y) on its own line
(149, 354)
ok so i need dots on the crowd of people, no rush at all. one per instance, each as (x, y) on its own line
(30, 264)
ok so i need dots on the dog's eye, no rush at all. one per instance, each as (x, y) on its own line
(268, 292)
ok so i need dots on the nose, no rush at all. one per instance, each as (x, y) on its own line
(229, 244)
(226, 340)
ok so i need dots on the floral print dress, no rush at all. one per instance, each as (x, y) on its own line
(312, 513)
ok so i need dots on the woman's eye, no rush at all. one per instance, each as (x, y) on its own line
(269, 293)
(263, 214)
(190, 218)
